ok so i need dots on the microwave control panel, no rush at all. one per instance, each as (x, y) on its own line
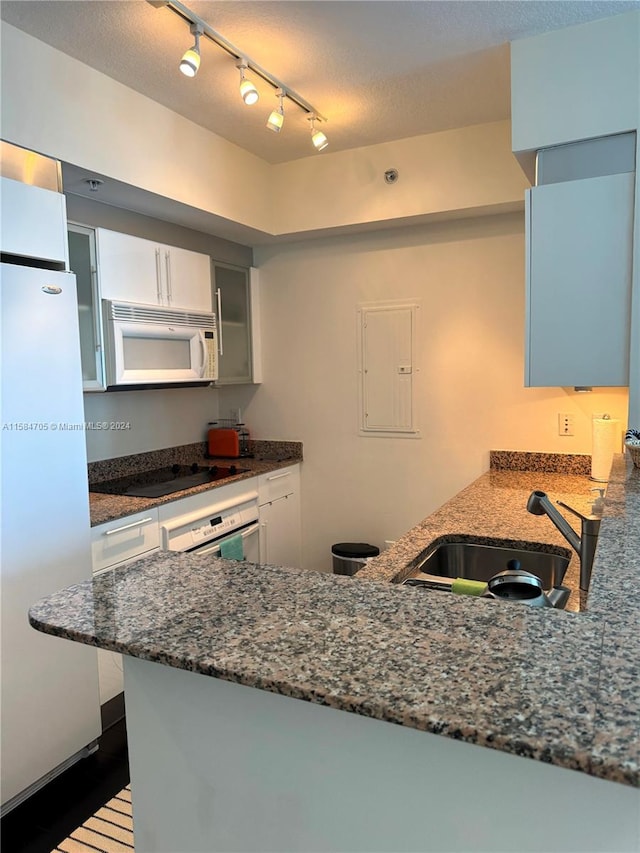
(211, 366)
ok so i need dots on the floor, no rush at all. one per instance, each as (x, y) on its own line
(51, 814)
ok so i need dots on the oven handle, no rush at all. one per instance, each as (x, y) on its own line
(214, 545)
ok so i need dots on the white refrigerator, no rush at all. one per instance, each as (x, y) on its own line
(49, 700)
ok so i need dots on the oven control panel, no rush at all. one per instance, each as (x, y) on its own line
(215, 526)
(188, 532)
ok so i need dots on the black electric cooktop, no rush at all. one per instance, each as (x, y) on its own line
(165, 481)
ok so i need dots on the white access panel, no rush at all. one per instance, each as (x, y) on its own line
(579, 282)
(387, 368)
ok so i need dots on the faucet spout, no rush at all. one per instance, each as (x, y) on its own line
(539, 504)
(584, 545)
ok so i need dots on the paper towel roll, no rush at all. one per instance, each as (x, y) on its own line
(606, 441)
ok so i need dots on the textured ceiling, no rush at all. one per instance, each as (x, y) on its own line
(377, 70)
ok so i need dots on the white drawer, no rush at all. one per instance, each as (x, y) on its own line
(118, 541)
(277, 484)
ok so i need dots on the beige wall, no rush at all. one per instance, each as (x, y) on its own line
(470, 277)
(58, 106)
(88, 120)
(440, 174)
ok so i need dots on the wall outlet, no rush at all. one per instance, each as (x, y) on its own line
(566, 425)
(388, 543)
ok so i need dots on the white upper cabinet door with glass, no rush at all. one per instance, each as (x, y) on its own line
(82, 262)
(578, 296)
(132, 269)
(236, 304)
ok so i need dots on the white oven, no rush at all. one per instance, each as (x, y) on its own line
(205, 530)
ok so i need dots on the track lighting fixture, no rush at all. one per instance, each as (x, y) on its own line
(190, 61)
(247, 89)
(276, 119)
(317, 136)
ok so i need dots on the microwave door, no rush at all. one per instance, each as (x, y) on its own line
(154, 353)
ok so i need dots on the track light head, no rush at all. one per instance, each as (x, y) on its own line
(248, 91)
(317, 136)
(190, 61)
(276, 119)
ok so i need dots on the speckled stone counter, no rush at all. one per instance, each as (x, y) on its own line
(267, 456)
(559, 687)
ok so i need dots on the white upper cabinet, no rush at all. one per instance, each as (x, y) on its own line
(135, 270)
(236, 303)
(33, 222)
(579, 275)
(82, 262)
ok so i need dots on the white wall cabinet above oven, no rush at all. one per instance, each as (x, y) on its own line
(132, 269)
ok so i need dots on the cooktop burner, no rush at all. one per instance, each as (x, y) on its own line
(166, 481)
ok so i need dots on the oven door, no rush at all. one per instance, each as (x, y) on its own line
(250, 543)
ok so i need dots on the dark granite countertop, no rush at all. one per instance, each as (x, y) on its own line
(267, 456)
(559, 687)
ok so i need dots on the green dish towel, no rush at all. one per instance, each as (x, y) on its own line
(232, 548)
(462, 586)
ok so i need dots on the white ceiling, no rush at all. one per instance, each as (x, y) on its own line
(377, 70)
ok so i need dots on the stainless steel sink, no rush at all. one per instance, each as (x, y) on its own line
(480, 562)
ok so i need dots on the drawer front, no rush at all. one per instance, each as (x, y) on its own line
(118, 541)
(277, 484)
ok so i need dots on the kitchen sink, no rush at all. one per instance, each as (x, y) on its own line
(480, 562)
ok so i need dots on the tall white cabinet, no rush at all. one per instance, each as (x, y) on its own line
(280, 527)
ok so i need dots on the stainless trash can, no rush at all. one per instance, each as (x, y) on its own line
(350, 557)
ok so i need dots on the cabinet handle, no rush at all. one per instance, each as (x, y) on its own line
(167, 261)
(279, 476)
(263, 543)
(127, 526)
(158, 277)
(219, 299)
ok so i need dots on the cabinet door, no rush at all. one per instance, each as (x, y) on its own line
(82, 261)
(232, 304)
(280, 539)
(129, 268)
(187, 278)
(580, 238)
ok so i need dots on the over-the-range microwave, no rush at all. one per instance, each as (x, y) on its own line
(149, 345)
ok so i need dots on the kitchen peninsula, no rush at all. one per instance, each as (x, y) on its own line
(476, 690)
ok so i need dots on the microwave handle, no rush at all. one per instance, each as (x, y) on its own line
(158, 278)
(205, 353)
(167, 261)
(219, 299)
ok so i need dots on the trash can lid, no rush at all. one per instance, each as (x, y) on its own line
(354, 549)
